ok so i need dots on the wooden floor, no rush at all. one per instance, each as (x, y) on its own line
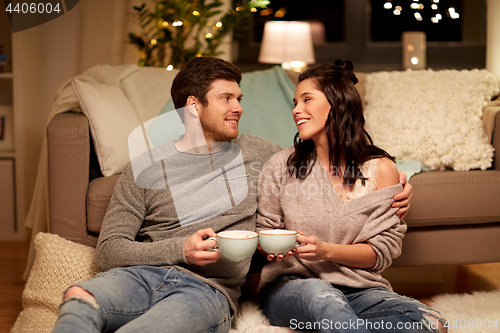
(13, 256)
(419, 282)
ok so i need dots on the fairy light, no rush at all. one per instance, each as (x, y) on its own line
(418, 6)
(266, 12)
(280, 13)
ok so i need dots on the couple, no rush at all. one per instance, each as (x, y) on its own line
(157, 273)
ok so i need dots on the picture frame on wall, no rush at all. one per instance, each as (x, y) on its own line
(6, 128)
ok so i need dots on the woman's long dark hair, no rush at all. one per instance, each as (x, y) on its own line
(348, 140)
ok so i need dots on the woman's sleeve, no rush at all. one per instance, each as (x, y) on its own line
(269, 213)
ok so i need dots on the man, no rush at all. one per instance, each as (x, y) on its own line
(158, 274)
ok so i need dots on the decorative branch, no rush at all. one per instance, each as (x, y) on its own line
(178, 30)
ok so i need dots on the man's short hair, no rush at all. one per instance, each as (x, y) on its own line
(197, 76)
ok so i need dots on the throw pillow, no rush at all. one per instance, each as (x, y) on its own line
(268, 103)
(111, 118)
(58, 264)
(431, 116)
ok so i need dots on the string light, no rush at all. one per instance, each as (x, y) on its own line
(280, 13)
(417, 5)
(266, 12)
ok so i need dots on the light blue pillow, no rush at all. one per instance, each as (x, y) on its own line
(410, 168)
(267, 110)
(267, 106)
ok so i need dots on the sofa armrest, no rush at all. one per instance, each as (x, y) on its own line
(495, 141)
(68, 148)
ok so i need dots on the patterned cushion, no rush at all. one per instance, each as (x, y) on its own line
(58, 264)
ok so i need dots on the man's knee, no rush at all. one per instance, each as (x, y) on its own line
(79, 293)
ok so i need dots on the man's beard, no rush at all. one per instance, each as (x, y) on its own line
(214, 132)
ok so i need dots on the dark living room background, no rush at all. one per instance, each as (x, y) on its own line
(368, 32)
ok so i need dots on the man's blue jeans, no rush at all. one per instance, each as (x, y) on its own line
(146, 299)
(314, 305)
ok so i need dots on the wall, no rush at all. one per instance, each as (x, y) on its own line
(46, 56)
(493, 37)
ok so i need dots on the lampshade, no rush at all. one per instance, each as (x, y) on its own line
(286, 43)
(414, 50)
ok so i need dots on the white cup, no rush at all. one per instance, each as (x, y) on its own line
(277, 241)
(236, 245)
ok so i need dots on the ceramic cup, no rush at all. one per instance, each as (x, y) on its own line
(277, 241)
(236, 245)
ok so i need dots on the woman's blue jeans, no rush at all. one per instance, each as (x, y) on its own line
(314, 305)
(145, 299)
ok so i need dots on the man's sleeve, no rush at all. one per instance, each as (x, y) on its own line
(117, 245)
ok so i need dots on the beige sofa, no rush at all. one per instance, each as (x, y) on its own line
(454, 217)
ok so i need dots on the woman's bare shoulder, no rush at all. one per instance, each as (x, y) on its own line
(387, 173)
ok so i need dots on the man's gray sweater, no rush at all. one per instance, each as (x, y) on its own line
(155, 208)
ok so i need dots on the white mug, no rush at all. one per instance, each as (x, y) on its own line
(236, 245)
(277, 241)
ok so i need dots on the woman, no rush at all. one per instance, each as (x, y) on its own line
(336, 188)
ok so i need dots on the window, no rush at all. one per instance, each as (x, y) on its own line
(441, 20)
(367, 33)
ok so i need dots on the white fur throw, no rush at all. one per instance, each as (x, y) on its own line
(431, 116)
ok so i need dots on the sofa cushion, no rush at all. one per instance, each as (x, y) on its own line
(454, 197)
(100, 190)
(111, 118)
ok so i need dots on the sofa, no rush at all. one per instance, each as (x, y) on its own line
(454, 217)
